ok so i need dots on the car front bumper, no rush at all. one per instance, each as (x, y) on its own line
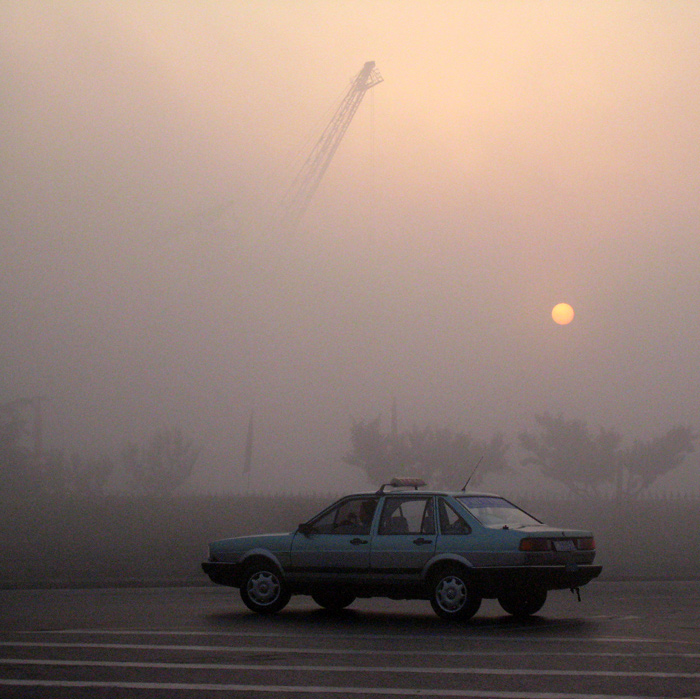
(222, 573)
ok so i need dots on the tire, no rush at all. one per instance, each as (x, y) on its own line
(451, 595)
(263, 589)
(334, 600)
(523, 603)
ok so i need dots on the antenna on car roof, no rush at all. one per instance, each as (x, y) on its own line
(464, 487)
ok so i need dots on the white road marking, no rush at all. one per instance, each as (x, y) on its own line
(463, 633)
(350, 668)
(338, 651)
(321, 690)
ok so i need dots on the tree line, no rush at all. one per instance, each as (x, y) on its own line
(156, 467)
(588, 462)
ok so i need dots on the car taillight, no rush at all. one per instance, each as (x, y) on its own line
(535, 545)
(585, 544)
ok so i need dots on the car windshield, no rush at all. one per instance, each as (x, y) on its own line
(492, 510)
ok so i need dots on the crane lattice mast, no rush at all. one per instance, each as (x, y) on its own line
(307, 180)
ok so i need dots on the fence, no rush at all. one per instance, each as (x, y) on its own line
(122, 540)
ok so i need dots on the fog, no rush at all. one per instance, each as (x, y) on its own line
(516, 155)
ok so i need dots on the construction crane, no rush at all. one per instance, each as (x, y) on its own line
(306, 182)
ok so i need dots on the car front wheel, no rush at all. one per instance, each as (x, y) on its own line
(263, 589)
(451, 595)
(523, 603)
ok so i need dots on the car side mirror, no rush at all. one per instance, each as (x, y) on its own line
(305, 528)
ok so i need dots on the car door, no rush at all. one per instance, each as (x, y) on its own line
(405, 538)
(461, 535)
(337, 543)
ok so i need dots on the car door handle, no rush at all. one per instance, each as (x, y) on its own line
(422, 541)
(357, 542)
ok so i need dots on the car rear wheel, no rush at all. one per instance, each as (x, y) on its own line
(334, 600)
(263, 589)
(523, 603)
(452, 596)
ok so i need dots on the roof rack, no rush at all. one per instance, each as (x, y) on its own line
(402, 483)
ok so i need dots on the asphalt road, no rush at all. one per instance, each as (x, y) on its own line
(622, 640)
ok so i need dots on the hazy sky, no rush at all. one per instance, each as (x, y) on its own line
(517, 154)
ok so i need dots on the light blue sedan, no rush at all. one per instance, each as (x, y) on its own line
(452, 548)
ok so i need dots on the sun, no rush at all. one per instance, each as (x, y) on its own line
(562, 313)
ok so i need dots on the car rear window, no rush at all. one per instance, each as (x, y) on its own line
(491, 510)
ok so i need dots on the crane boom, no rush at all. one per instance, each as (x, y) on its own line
(309, 177)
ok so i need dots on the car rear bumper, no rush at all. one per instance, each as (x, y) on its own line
(493, 581)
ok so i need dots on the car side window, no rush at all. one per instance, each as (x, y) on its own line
(407, 515)
(349, 517)
(450, 521)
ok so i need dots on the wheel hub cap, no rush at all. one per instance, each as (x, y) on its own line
(263, 588)
(451, 594)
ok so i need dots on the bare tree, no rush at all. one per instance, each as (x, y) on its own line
(448, 458)
(441, 456)
(593, 462)
(163, 464)
(18, 472)
(89, 475)
(381, 456)
(643, 463)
